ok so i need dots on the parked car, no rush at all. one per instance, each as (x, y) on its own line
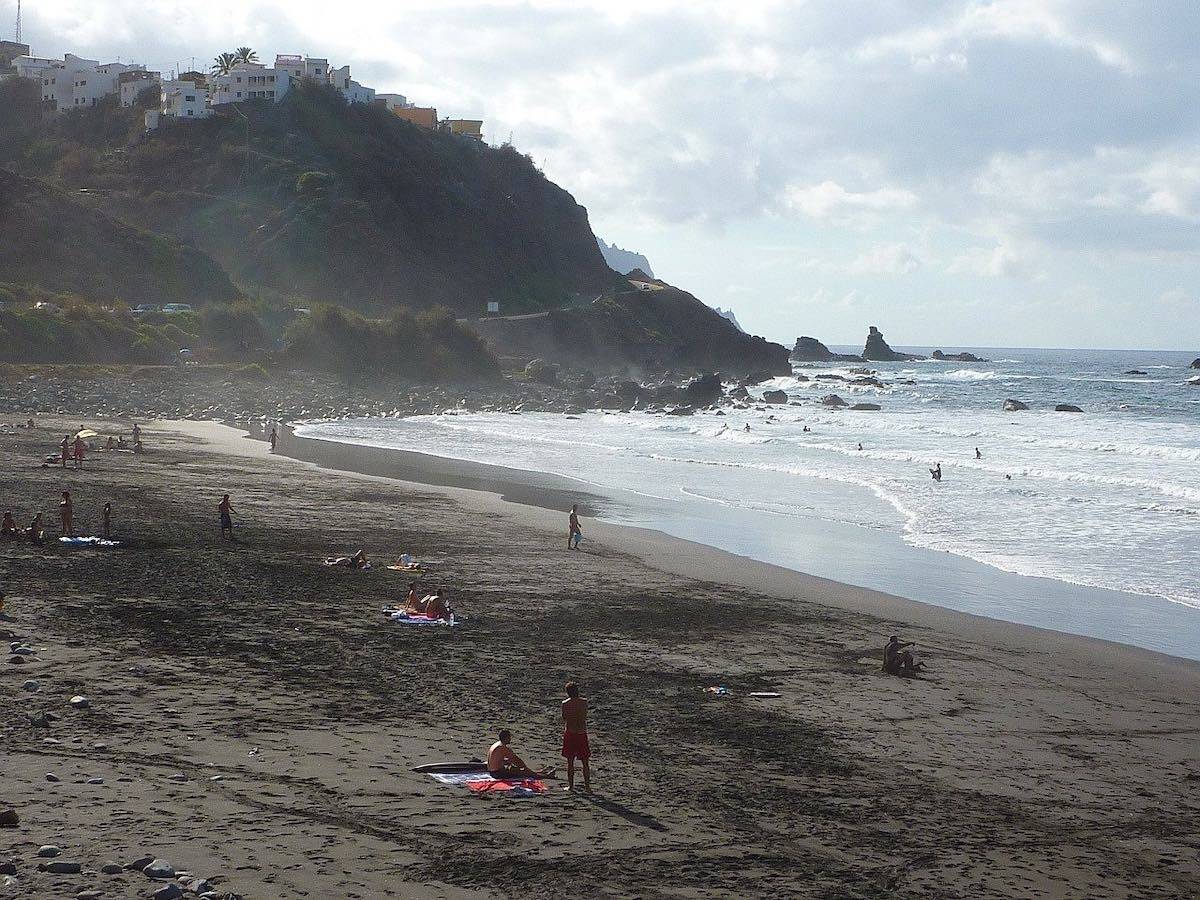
(172, 308)
(142, 308)
(52, 308)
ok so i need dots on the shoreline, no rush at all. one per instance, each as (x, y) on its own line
(254, 719)
(539, 500)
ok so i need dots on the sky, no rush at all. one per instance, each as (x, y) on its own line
(957, 172)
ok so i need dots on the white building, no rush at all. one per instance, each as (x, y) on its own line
(133, 83)
(249, 81)
(349, 88)
(184, 100)
(313, 67)
(73, 82)
(393, 102)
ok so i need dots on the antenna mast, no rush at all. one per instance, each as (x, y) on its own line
(18, 21)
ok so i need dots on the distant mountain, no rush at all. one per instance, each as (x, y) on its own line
(728, 314)
(623, 261)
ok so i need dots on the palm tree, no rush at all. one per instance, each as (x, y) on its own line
(223, 63)
(245, 55)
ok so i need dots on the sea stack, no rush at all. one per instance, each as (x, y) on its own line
(809, 349)
(877, 349)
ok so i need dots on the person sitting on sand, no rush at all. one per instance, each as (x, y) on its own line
(138, 448)
(503, 762)
(66, 512)
(436, 606)
(110, 444)
(936, 472)
(30, 424)
(226, 512)
(897, 660)
(35, 532)
(8, 528)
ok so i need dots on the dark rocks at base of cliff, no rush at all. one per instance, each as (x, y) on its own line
(703, 391)
(1014, 406)
(809, 349)
(1134, 372)
(867, 407)
(957, 357)
(1195, 363)
(1067, 407)
(777, 397)
(833, 400)
(877, 349)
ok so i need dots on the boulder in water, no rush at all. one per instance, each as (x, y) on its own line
(957, 357)
(1135, 372)
(775, 397)
(1066, 407)
(809, 349)
(704, 391)
(681, 411)
(1196, 363)
(1014, 406)
(869, 407)
(832, 400)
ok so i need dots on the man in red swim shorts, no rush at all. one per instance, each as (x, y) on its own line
(575, 739)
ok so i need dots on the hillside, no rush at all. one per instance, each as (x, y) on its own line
(317, 200)
(643, 331)
(54, 243)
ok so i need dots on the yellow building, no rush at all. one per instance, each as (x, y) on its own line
(472, 128)
(426, 117)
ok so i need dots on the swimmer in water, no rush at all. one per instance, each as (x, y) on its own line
(936, 472)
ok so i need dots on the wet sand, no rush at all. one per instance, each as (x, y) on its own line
(1025, 763)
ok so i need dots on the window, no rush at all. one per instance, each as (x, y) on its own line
(239, 79)
(239, 93)
(190, 98)
(190, 113)
(271, 78)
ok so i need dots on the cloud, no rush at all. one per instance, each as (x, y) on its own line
(829, 200)
(888, 259)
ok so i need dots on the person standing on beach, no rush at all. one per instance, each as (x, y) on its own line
(80, 449)
(226, 512)
(978, 455)
(65, 446)
(574, 532)
(106, 518)
(936, 472)
(575, 737)
(66, 512)
(274, 438)
(137, 433)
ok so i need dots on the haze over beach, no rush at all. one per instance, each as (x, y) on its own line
(659, 449)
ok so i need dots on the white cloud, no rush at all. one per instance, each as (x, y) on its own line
(888, 259)
(829, 200)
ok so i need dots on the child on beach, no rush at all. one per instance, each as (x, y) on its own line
(226, 512)
(66, 512)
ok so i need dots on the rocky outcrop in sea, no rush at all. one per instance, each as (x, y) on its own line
(877, 349)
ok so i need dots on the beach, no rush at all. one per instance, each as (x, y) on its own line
(255, 719)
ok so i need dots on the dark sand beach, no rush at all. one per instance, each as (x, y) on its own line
(255, 719)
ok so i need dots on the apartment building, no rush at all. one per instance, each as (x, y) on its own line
(73, 82)
(250, 81)
(472, 128)
(349, 88)
(184, 100)
(131, 84)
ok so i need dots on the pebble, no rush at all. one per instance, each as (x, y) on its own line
(178, 776)
(89, 894)
(111, 869)
(159, 868)
(62, 867)
(9, 881)
(32, 685)
(168, 892)
(51, 777)
(16, 659)
(198, 885)
(8, 868)
(95, 781)
(140, 863)
(49, 851)
(51, 741)
(80, 702)
(9, 818)
(22, 651)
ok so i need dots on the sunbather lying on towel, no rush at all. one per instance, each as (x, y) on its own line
(357, 561)
(414, 605)
(503, 762)
(897, 660)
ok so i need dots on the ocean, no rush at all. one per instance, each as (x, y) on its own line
(1083, 522)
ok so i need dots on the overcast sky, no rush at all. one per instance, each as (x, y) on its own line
(1012, 173)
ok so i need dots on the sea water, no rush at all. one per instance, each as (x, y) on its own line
(1107, 500)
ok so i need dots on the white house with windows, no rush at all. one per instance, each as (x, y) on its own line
(313, 67)
(133, 83)
(73, 82)
(393, 102)
(184, 100)
(249, 81)
(349, 88)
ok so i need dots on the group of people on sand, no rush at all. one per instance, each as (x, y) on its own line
(36, 532)
(503, 762)
(75, 450)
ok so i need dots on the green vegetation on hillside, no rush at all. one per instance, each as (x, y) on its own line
(324, 201)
